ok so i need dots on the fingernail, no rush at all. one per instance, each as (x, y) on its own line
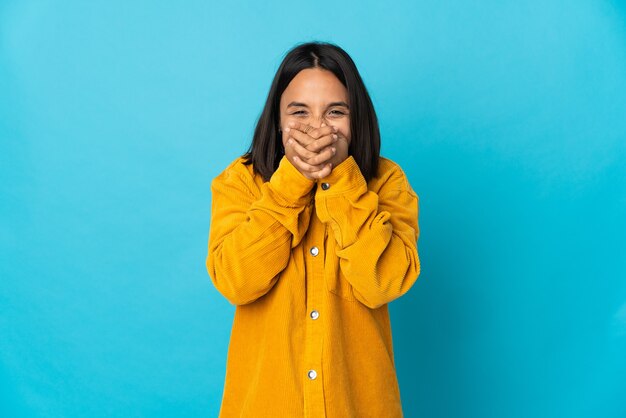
(287, 129)
(334, 150)
(334, 136)
(289, 141)
(334, 129)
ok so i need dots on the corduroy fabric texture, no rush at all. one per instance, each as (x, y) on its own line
(311, 271)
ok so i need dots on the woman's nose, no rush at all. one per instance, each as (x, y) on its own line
(316, 122)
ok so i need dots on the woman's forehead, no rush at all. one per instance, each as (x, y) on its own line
(313, 86)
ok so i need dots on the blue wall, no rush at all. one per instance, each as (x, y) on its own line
(509, 118)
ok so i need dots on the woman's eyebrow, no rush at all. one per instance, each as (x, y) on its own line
(300, 104)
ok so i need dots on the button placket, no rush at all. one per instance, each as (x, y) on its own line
(314, 390)
(314, 252)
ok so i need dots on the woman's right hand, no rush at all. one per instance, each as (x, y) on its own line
(310, 149)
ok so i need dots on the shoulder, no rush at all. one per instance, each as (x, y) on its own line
(391, 177)
(237, 172)
(238, 167)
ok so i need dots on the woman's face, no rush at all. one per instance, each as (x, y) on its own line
(315, 96)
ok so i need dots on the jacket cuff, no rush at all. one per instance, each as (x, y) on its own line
(290, 184)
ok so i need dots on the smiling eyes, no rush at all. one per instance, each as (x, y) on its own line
(338, 112)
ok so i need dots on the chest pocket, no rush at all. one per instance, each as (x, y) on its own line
(336, 283)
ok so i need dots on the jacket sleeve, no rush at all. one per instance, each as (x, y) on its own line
(376, 233)
(252, 233)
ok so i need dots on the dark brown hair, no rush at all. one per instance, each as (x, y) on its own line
(266, 150)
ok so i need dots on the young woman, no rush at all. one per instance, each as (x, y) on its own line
(312, 234)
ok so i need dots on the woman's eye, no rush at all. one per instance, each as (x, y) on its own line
(336, 112)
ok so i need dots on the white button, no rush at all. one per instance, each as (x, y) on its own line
(315, 251)
(315, 314)
(312, 374)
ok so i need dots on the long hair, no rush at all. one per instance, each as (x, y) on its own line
(266, 150)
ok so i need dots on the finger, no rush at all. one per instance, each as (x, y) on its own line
(314, 145)
(322, 142)
(317, 159)
(304, 166)
(324, 155)
(321, 131)
(302, 138)
(304, 153)
(302, 127)
(323, 172)
(314, 133)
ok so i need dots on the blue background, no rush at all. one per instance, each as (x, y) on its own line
(509, 117)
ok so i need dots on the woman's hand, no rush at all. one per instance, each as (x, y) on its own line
(314, 151)
(309, 149)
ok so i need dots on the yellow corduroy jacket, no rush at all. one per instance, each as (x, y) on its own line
(310, 266)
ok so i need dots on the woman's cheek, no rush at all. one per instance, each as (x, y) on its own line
(285, 119)
(344, 129)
